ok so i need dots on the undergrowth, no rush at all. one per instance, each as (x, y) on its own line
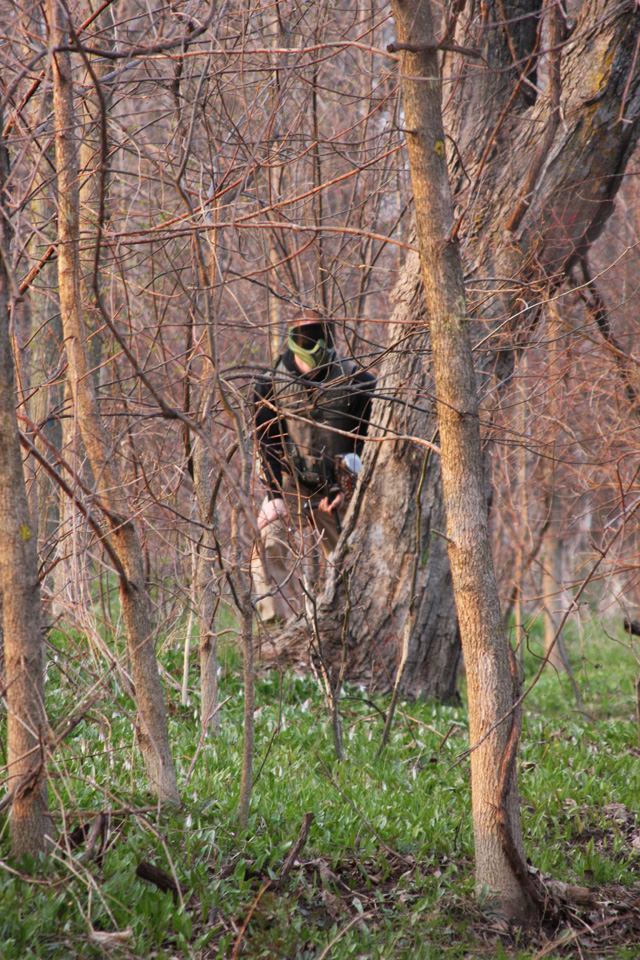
(387, 869)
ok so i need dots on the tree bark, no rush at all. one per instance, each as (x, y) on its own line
(205, 493)
(152, 726)
(205, 594)
(519, 236)
(70, 572)
(487, 657)
(555, 599)
(555, 605)
(22, 622)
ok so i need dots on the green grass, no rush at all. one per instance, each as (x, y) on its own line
(400, 855)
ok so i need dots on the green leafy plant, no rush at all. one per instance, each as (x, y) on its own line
(387, 866)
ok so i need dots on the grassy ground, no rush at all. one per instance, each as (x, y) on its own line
(387, 868)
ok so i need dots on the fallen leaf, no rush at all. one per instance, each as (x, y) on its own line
(332, 903)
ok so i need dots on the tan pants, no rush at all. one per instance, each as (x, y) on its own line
(291, 548)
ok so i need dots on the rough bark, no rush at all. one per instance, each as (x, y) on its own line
(503, 131)
(22, 623)
(152, 726)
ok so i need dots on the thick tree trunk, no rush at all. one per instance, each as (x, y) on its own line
(22, 624)
(531, 193)
(392, 518)
(378, 560)
(152, 727)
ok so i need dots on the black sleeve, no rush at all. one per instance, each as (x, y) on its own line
(269, 436)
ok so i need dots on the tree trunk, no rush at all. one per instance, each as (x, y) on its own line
(70, 573)
(205, 493)
(496, 811)
(555, 604)
(206, 597)
(22, 624)
(152, 727)
(70, 592)
(555, 601)
(383, 533)
(531, 195)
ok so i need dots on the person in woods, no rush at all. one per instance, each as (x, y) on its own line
(311, 414)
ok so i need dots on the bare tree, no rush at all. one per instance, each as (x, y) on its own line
(152, 731)
(22, 624)
(500, 864)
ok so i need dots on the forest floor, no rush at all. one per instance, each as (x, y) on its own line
(387, 867)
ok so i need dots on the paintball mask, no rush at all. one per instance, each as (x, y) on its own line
(311, 342)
